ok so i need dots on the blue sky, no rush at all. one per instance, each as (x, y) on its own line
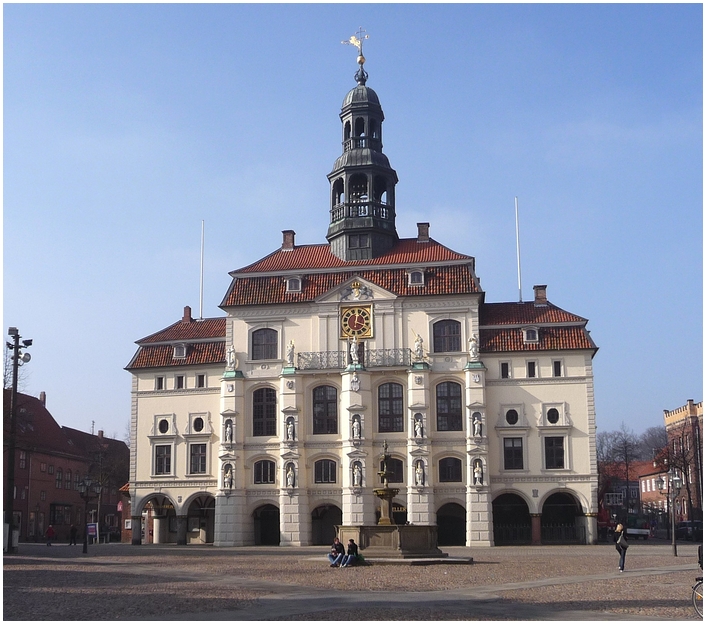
(126, 125)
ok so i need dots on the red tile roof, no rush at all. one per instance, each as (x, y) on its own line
(526, 313)
(311, 257)
(636, 469)
(189, 330)
(550, 339)
(198, 353)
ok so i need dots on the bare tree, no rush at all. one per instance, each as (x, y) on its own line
(652, 441)
(625, 450)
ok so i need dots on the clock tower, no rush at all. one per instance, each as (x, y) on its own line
(362, 200)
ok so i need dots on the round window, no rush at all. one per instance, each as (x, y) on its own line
(163, 426)
(198, 424)
(511, 417)
(553, 415)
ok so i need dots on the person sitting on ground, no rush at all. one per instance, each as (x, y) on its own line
(337, 553)
(351, 555)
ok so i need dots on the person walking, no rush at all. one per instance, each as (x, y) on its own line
(351, 555)
(72, 535)
(50, 534)
(621, 545)
(337, 553)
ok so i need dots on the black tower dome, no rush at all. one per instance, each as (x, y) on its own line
(362, 182)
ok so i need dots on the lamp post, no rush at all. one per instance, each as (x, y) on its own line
(84, 489)
(674, 484)
(18, 359)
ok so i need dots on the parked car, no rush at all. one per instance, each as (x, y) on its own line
(690, 530)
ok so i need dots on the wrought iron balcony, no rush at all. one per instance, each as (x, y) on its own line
(372, 358)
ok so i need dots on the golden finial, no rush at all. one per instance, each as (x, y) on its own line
(357, 41)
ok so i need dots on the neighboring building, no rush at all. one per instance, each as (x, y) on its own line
(685, 446)
(50, 462)
(266, 426)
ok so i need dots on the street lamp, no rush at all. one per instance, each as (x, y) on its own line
(18, 359)
(84, 489)
(674, 484)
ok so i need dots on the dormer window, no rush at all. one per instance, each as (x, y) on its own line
(294, 284)
(531, 334)
(179, 351)
(415, 277)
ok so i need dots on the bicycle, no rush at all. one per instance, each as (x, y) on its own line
(697, 595)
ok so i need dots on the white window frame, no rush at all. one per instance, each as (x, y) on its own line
(525, 334)
(509, 369)
(410, 277)
(562, 369)
(293, 283)
(180, 351)
(183, 377)
(172, 458)
(196, 380)
(190, 443)
(566, 446)
(157, 379)
(536, 369)
(514, 434)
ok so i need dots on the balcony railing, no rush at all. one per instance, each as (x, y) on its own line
(372, 358)
(361, 209)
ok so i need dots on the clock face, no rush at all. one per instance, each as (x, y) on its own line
(356, 322)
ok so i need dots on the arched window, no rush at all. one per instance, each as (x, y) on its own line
(374, 129)
(396, 467)
(360, 127)
(450, 470)
(448, 407)
(264, 471)
(325, 410)
(347, 131)
(264, 412)
(390, 408)
(264, 344)
(447, 336)
(358, 186)
(59, 478)
(325, 471)
(338, 192)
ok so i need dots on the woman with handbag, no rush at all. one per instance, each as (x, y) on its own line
(621, 545)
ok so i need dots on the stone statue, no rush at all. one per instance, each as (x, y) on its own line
(355, 382)
(357, 475)
(473, 348)
(354, 351)
(290, 354)
(419, 473)
(290, 430)
(478, 472)
(477, 425)
(290, 476)
(418, 348)
(356, 428)
(228, 478)
(229, 432)
(418, 428)
(230, 358)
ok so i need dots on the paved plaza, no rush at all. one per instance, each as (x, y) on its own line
(158, 582)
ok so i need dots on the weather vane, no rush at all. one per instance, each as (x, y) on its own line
(357, 41)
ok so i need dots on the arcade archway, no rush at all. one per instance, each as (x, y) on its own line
(266, 525)
(559, 525)
(323, 524)
(511, 520)
(451, 525)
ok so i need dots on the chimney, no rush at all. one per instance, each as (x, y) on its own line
(100, 434)
(288, 240)
(187, 315)
(422, 232)
(540, 295)
(43, 398)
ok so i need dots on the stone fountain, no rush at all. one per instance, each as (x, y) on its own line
(387, 539)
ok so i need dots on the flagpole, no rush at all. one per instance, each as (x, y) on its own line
(517, 234)
(201, 280)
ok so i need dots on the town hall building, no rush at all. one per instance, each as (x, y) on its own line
(266, 425)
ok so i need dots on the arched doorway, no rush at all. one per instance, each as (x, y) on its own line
(559, 524)
(511, 520)
(159, 521)
(200, 520)
(451, 525)
(266, 525)
(323, 524)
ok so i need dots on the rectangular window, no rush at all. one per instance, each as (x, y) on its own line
(531, 369)
(23, 459)
(505, 370)
(200, 381)
(325, 471)
(162, 459)
(43, 495)
(513, 453)
(159, 383)
(556, 368)
(554, 453)
(390, 408)
(42, 467)
(50, 470)
(179, 382)
(642, 484)
(59, 479)
(265, 471)
(198, 458)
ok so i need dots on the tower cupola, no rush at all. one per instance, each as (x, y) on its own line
(362, 224)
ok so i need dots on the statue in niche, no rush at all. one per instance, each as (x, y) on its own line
(230, 358)
(419, 473)
(418, 348)
(418, 428)
(478, 472)
(477, 425)
(228, 478)
(290, 429)
(229, 432)
(356, 428)
(354, 351)
(290, 476)
(357, 475)
(355, 383)
(473, 348)
(290, 354)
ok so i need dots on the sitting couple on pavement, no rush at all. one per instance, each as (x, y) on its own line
(338, 555)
